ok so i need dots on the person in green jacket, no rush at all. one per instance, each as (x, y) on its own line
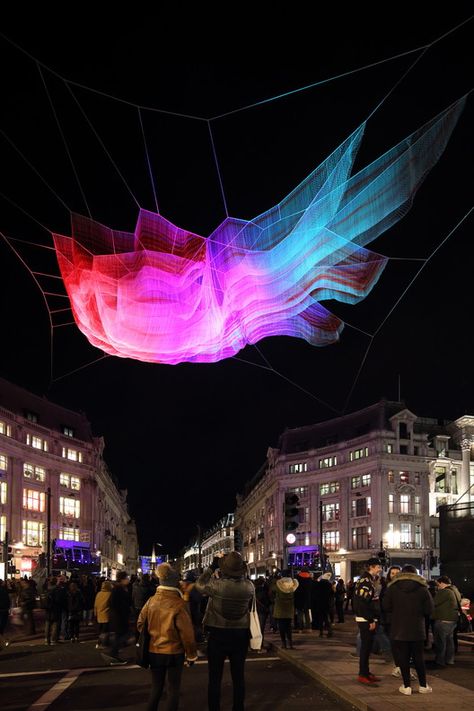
(284, 609)
(446, 602)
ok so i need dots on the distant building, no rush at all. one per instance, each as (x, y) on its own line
(44, 446)
(217, 539)
(379, 475)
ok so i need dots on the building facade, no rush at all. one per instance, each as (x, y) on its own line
(374, 477)
(49, 452)
(218, 539)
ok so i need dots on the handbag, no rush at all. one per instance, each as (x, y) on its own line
(143, 646)
(256, 638)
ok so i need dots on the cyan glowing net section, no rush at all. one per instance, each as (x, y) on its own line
(165, 295)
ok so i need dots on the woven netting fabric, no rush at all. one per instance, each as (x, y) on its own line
(163, 294)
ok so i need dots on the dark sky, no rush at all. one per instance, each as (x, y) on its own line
(184, 439)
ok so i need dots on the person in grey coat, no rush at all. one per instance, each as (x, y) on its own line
(408, 601)
(227, 620)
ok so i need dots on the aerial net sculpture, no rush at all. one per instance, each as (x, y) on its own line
(163, 294)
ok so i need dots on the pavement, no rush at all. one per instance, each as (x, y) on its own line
(329, 662)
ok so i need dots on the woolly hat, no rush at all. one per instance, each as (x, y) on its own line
(233, 565)
(287, 585)
(167, 575)
(326, 576)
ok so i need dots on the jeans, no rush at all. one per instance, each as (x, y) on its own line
(366, 642)
(444, 643)
(222, 643)
(303, 618)
(165, 667)
(403, 652)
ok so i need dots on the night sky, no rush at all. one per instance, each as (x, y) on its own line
(184, 439)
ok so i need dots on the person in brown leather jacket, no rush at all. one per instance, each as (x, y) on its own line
(171, 637)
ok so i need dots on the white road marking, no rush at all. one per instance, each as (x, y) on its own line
(52, 694)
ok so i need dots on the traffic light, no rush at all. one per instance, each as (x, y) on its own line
(10, 563)
(292, 512)
(238, 540)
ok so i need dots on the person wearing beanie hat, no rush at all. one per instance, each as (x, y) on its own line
(366, 608)
(284, 609)
(171, 637)
(227, 620)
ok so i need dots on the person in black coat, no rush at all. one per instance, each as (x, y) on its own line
(303, 600)
(119, 616)
(4, 609)
(408, 601)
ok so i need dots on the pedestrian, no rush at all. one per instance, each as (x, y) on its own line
(194, 602)
(408, 601)
(324, 599)
(102, 613)
(88, 594)
(340, 594)
(171, 637)
(27, 602)
(227, 620)
(303, 600)
(53, 612)
(263, 604)
(429, 622)
(367, 612)
(119, 617)
(386, 618)
(350, 595)
(446, 612)
(284, 609)
(142, 589)
(5, 604)
(75, 607)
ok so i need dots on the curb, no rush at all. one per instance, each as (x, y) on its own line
(324, 681)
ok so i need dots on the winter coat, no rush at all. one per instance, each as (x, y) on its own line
(229, 600)
(53, 603)
(27, 598)
(4, 599)
(323, 595)
(88, 594)
(169, 624)
(408, 602)
(75, 604)
(364, 602)
(102, 603)
(140, 593)
(284, 607)
(303, 592)
(119, 609)
(446, 604)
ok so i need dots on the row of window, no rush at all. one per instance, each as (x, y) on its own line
(300, 467)
(35, 500)
(5, 429)
(34, 533)
(35, 473)
(407, 504)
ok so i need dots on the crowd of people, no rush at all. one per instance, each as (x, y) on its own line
(401, 614)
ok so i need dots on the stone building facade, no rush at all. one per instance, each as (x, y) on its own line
(370, 478)
(49, 451)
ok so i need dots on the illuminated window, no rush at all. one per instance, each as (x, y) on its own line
(69, 507)
(388, 448)
(329, 487)
(68, 431)
(304, 514)
(5, 429)
(3, 527)
(331, 512)
(391, 478)
(68, 533)
(298, 468)
(36, 442)
(404, 477)
(391, 503)
(327, 462)
(365, 479)
(417, 535)
(361, 507)
(3, 462)
(64, 480)
(251, 557)
(3, 493)
(405, 533)
(454, 481)
(417, 505)
(359, 453)
(75, 483)
(440, 484)
(331, 540)
(32, 533)
(33, 500)
(404, 503)
(73, 454)
(30, 471)
(361, 537)
(357, 482)
(120, 558)
(301, 491)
